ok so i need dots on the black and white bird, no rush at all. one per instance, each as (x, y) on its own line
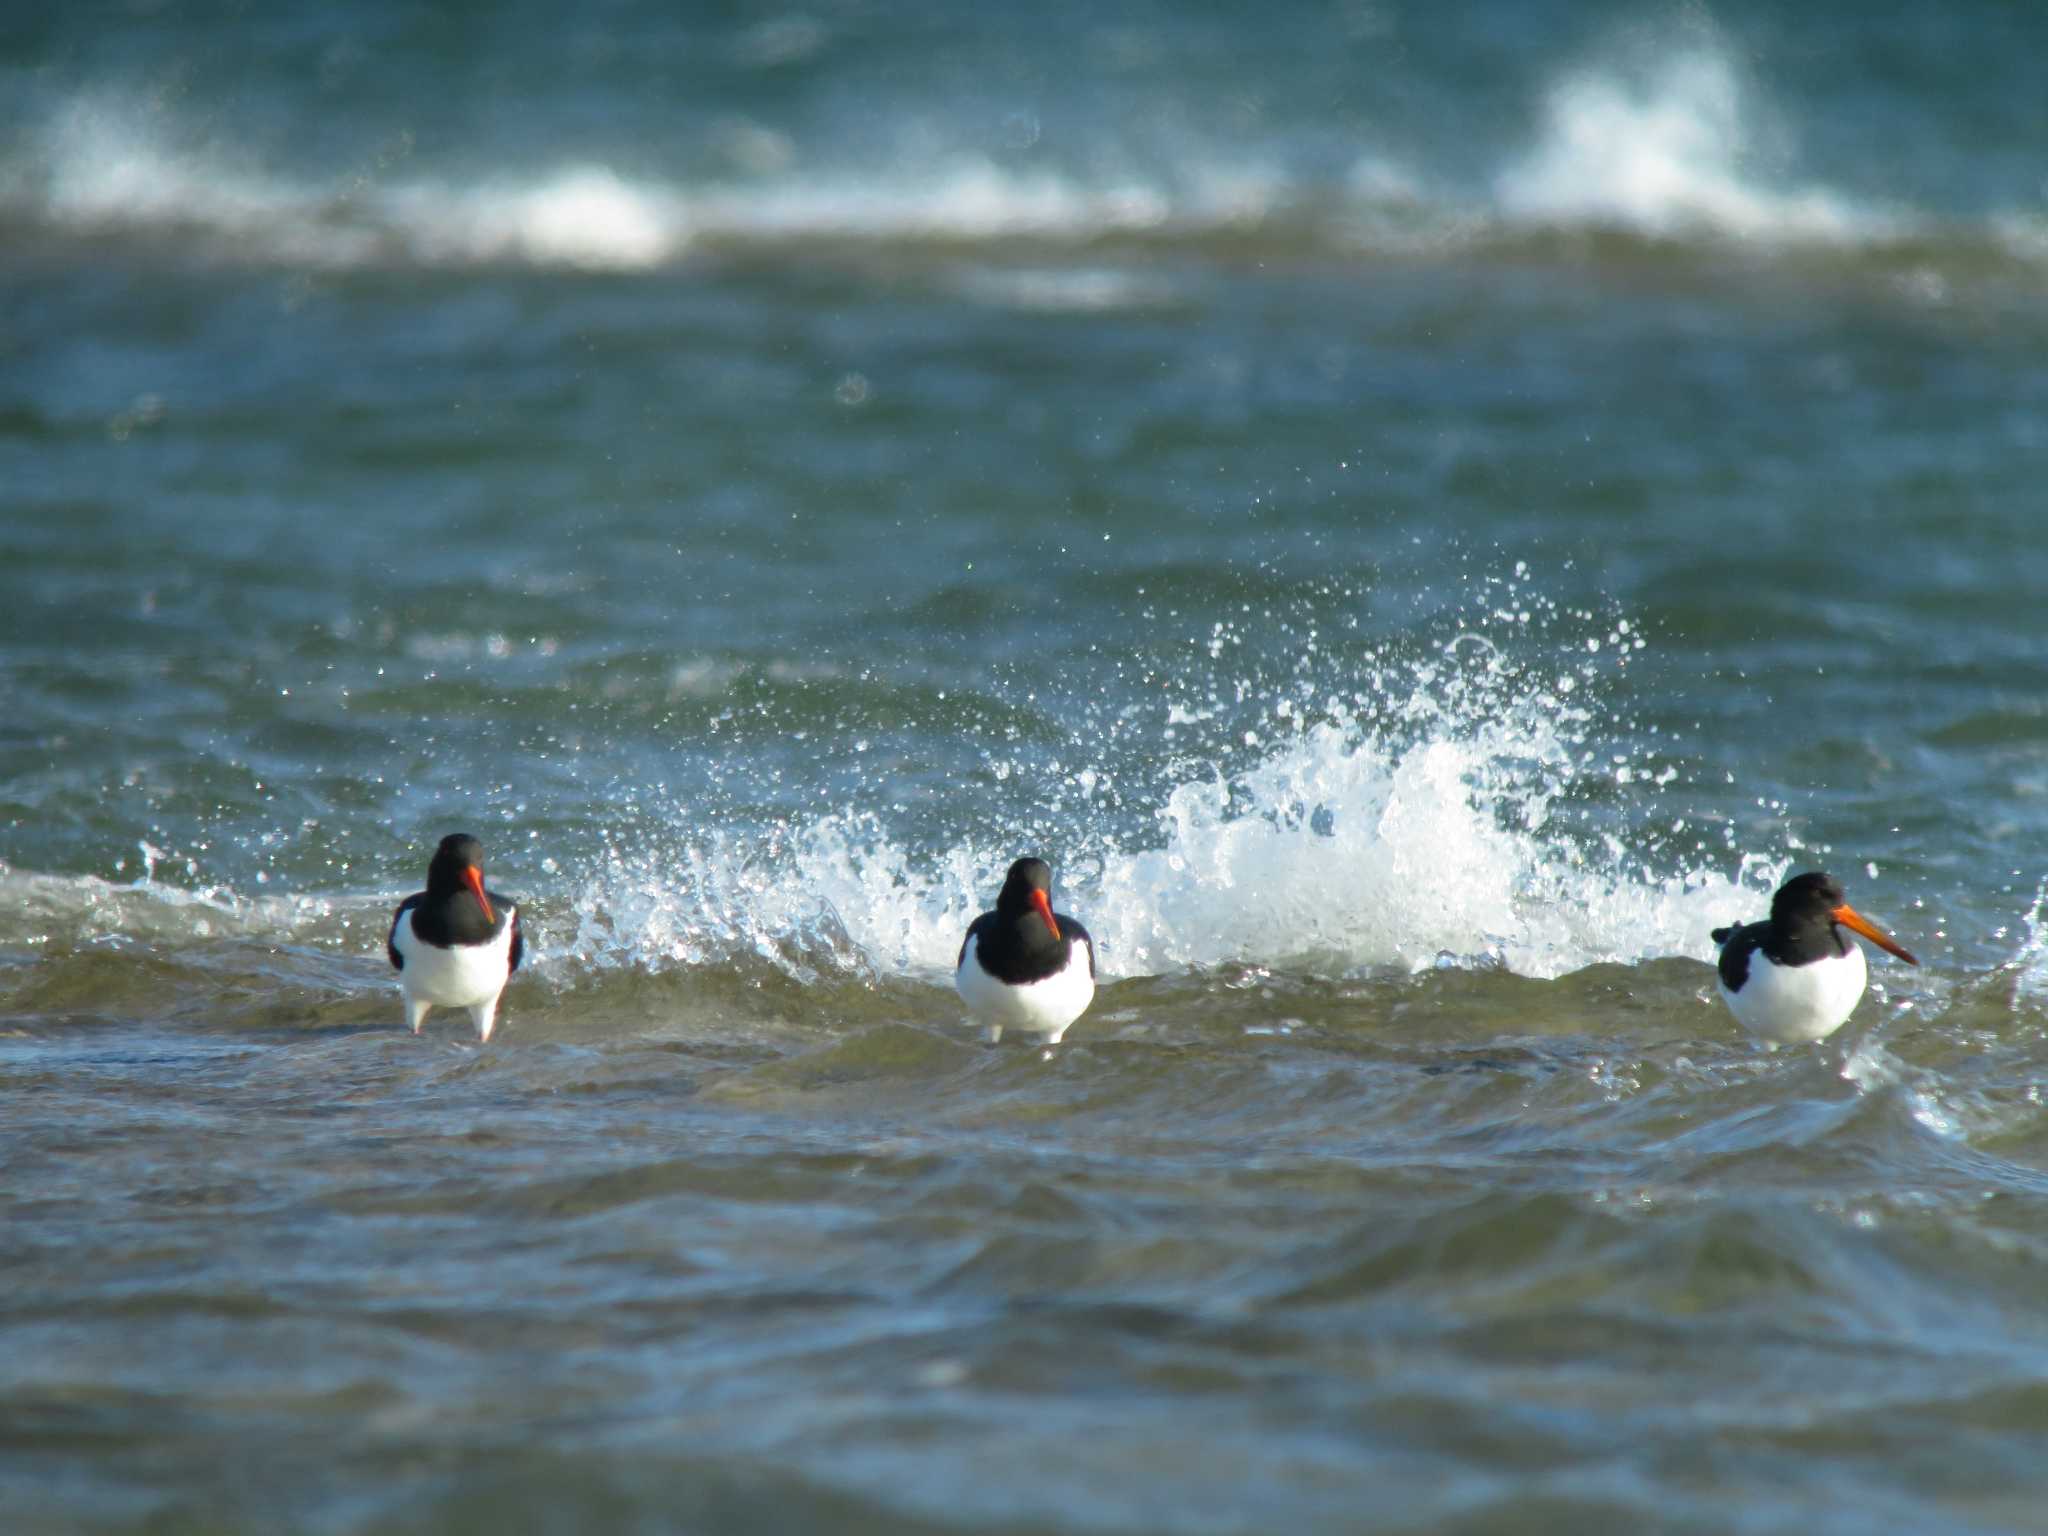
(1797, 977)
(455, 945)
(1025, 966)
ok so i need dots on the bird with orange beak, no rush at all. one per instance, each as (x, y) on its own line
(1025, 966)
(455, 945)
(1798, 976)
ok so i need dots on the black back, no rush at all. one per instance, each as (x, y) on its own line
(446, 912)
(1800, 930)
(1012, 943)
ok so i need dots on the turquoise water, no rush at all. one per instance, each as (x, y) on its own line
(1419, 519)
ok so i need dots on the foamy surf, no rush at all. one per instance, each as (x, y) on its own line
(1421, 826)
(1466, 801)
(1666, 151)
(2030, 965)
(99, 167)
(40, 911)
(1433, 813)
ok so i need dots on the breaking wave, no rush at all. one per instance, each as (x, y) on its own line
(1679, 150)
(1438, 814)
(1666, 153)
(1438, 811)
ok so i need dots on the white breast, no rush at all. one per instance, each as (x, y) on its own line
(460, 976)
(1791, 1004)
(1044, 1007)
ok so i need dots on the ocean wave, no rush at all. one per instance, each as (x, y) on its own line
(1667, 153)
(1463, 797)
(1334, 853)
(1664, 155)
(1437, 810)
(41, 912)
(1419, 826)
(102, 170)
(2030, 964)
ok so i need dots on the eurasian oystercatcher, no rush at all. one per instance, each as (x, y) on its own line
(1025, 966)
(455, 945)
(1797, 977)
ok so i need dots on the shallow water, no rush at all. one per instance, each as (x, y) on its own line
(1418, 519)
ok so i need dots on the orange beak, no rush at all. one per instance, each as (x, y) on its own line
(1849, 917)
(1044, 904)
(475, 878)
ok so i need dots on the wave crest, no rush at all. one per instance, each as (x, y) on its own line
(1668, 151)
(1432, 819)
(1666, 154)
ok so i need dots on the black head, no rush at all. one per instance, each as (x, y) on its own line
(1025, 876)
(458, 852)
(1815, 903)
(1026, 889)
(458, 864)
(1812, 897)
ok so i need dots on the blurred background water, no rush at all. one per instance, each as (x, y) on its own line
(1419, 515)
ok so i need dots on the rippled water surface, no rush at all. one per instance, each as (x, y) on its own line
(1420, 518)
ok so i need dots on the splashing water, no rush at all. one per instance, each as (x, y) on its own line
(1663, 155)
(1671, 145)
(1437, 814)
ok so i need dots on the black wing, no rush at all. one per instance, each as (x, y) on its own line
(1737, 945)
(391, 941)
(1079, 935)
(518, 943)
(972, 929)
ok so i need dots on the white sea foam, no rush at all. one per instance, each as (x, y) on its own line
(1420, 878)
(1668, 150)
(961, 199)
(1677, 147)
(578, 216)
(2030, 965)
(1066, 290)
(39, 911)
(108, 169)
(1435, 815)
(102, 165)
(1425, 829)
(589, 216)
(2023, 234)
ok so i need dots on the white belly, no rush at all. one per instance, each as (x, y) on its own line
(461, 976)
(1041, 1007)
(1791, 1004)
